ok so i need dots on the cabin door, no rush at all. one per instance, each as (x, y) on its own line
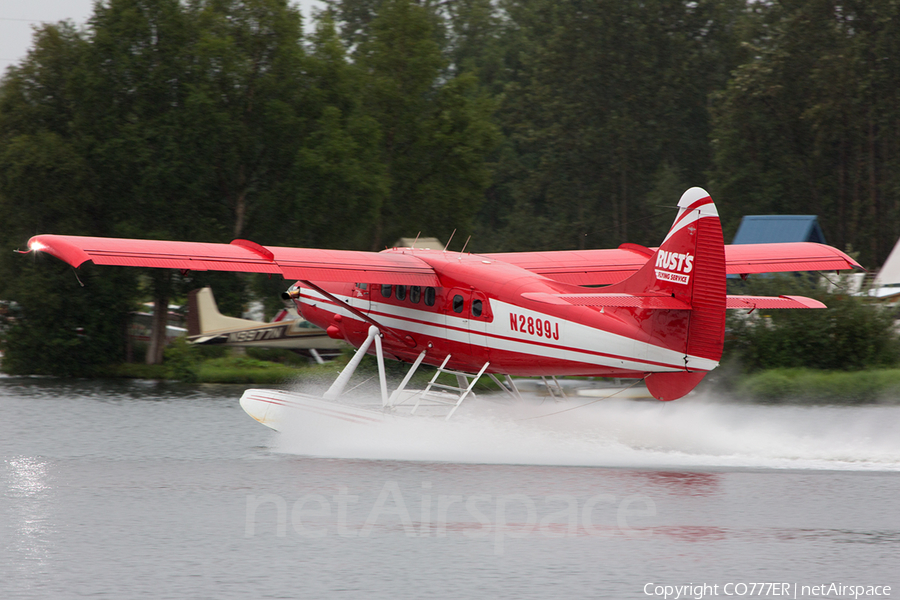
(360, 297)
(468, 314)
(456, 310)
(479, 317)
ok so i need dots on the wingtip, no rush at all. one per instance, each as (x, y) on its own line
(57, 246)
(851, 262)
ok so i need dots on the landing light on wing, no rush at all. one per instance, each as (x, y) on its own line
(36, 246)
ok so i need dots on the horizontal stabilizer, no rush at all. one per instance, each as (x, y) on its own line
(645, 300)
(662, 302)
(752, 302)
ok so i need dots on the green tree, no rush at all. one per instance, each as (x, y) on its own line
(251, 95)
(161, 120)
(47, 184)
(810, 124)
(435, 130)
(852, 333)
(197, 114)
(604, 101)
(339, 182)
(132, 94)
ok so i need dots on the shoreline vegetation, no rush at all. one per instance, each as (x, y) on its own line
(232, 369)
(770, 386)
(264, 366)
(814, 386)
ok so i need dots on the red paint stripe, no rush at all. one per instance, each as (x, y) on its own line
(580, 351)
(332, 412)
(691, 208)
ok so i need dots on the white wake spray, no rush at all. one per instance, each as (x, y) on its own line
(696, 431)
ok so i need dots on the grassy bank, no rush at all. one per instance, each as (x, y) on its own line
(814, 386)
(217, 370)
(192, 368)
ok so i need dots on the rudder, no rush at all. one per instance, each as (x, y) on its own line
(688, 266)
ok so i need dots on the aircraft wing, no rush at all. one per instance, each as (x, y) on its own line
(241, 256)
(745, 259)
(604, 267)
(577, 267)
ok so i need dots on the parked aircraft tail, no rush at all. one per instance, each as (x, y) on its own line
(204, 317)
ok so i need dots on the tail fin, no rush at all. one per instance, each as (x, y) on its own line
(204, 316)
(688, 266)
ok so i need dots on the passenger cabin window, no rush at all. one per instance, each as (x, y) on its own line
(386, 291)
(401, 292)
(429, 296)
(476, 308)
(415, 294)
(362, 286)
(458, 303)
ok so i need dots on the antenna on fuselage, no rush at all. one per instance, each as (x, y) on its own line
(466, 244)
(450, 240)
(413, 247)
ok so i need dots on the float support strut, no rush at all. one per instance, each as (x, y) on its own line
(341, 382)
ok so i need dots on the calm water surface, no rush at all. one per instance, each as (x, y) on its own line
(141, 489)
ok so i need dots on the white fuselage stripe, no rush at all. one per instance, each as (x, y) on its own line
(577, 342)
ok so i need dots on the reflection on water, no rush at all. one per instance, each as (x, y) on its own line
(28, 492)
(27, 476)
(683, 483)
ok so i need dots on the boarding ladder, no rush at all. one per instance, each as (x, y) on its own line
(560, 393)
(438, 394)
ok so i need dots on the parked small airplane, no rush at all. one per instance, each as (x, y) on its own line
(660, 316)
(208, 327)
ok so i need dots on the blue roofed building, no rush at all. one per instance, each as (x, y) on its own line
(773, 229)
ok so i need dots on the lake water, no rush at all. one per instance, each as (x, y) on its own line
(141, 489)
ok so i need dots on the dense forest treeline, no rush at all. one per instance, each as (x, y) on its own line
(527, 124)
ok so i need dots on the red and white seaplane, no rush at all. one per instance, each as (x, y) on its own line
(660, 316)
